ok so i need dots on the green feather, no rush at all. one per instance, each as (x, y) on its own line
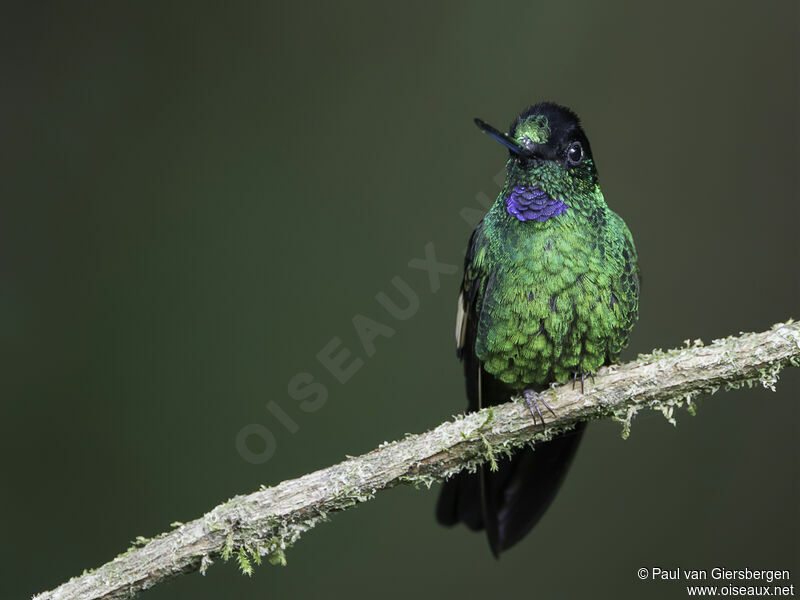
(557, 297)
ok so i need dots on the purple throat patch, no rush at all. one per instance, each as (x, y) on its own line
(533, 204)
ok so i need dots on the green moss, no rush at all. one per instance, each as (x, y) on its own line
(245, 566)
(277, 558)
(489, 454)
(227, 550)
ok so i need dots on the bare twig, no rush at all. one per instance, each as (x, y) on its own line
(266, 522)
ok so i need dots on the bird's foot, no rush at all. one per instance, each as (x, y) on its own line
(583, 377)
(532, 401)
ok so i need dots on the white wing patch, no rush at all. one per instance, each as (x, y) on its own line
(461, 322)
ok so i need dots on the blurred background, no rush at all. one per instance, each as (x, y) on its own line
(196, 200)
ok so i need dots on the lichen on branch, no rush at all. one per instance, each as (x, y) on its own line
(264, 523)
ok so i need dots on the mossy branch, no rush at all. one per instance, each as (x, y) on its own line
(266, 522)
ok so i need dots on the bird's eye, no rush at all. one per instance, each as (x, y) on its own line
(575, 153)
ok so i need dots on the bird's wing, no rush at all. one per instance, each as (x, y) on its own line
(462, 497)
(477, 277)
(625, 288)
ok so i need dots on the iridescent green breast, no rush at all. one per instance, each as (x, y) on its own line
(557, 298)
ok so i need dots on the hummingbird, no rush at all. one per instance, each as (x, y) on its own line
(550, 292)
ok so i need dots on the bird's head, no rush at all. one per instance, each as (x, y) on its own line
(550, 164)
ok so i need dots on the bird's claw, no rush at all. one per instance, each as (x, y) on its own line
(583, 377)
(532, 401)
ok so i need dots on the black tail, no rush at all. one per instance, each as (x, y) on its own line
(516, 495)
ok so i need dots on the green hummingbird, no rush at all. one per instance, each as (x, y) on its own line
(550, 291)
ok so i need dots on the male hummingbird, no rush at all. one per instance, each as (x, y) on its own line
(550, 291)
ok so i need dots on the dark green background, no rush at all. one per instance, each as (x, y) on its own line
(195, 200)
